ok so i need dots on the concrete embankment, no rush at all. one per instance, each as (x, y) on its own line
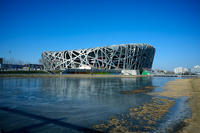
(72, 75)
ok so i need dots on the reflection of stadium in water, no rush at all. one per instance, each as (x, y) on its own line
(95, 90)
(81, 101)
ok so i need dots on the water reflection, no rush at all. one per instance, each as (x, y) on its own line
(84, 88)
(78, 99)
(92, 89)
(98, 90)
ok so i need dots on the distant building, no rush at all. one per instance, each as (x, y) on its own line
(12, 67)
(196, 69)
(33, 67)
(1, 62)
(181, 70)
(178, 70)
(185, 70)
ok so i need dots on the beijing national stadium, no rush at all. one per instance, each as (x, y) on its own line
(114, 57)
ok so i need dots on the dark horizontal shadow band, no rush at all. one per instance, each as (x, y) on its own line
(46, 120)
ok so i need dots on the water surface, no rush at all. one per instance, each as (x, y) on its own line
(32, 104)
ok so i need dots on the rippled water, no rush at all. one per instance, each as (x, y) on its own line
(74, 103)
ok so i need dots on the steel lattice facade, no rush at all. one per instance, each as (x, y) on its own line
(124, 56)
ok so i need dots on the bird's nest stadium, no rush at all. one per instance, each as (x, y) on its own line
(117, 57)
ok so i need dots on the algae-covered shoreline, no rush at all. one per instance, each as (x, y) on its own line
(146, 118)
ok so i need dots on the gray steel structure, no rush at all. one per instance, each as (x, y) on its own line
(124, 56)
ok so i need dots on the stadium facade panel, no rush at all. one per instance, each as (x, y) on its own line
(124, 56)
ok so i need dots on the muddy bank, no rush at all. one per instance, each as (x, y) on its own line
(176, 89)
(141, 90)
(193, 124)
(190, 88)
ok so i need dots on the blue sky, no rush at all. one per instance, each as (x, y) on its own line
(29, 27)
